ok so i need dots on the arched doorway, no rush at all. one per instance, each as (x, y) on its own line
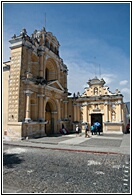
(51, 117)
(51, 70)
(97, 118)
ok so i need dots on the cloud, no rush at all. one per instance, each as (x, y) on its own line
(90, 57)
(127, 93)
(7, 34)
(123, 82)
(79, 52)
(109, 78)
(125, 90)
(78, 75)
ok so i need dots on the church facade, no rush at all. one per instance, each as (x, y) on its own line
(98, 104)
(36, 100)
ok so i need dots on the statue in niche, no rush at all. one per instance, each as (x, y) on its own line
(95, 91)
(113, 116)
(96, 107)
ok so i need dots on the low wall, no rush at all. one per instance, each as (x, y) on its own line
(113, 127)
(33, 129)
(14, 130)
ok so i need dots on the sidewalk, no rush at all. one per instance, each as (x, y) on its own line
(105, 143)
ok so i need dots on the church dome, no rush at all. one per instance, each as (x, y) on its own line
(96, 81)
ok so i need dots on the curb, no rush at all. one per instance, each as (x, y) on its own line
(64, 149)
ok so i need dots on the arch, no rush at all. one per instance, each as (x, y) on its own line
(34, 67)
(50, 116)
(51, 70)
(52, 104)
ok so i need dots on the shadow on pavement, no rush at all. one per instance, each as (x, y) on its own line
(9, 160)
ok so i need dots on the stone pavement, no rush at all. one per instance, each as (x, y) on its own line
(104, 143)
(7, 189)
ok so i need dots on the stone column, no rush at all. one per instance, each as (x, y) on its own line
(75, 111)
(85, 113)
(120, 115)
(59, 108)
(107, 111)
(41, 107)
(27, 115)
(78, 113)
(41, 114)
(89, 119)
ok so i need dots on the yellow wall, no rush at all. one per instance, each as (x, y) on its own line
(5, 100)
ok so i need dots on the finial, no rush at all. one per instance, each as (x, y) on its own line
(23, 32)
(14, 36)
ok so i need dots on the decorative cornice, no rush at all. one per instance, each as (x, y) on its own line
(6, 68)
(28, 92)
(40, 95)
(113, 123)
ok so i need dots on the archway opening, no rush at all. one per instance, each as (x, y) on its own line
(49, 128)
(97, 118)
(51, 72)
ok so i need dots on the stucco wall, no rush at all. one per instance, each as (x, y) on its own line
(5, 100)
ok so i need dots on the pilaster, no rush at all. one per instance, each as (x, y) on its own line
(119, 112)
(66, 102)
(27, 115)
(107, 112)
(75, 112)
(41, 107)
(85, 115)
(14, 85)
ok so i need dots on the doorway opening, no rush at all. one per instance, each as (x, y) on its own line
(97, 118)
(49, 128)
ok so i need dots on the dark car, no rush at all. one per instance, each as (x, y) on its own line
(128, 128)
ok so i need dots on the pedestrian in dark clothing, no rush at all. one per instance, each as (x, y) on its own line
(77, 130)
(92, 129)
(97, 127)
(86, 130)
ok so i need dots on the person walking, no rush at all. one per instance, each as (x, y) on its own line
(77, 130)
(92, 129)
(86, 130)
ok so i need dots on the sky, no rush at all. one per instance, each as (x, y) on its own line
(94, 38)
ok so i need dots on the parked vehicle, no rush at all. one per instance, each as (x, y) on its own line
(128, 128)
(64, 131)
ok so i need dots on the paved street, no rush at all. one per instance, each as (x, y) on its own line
(41, 170)
(105, 143)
